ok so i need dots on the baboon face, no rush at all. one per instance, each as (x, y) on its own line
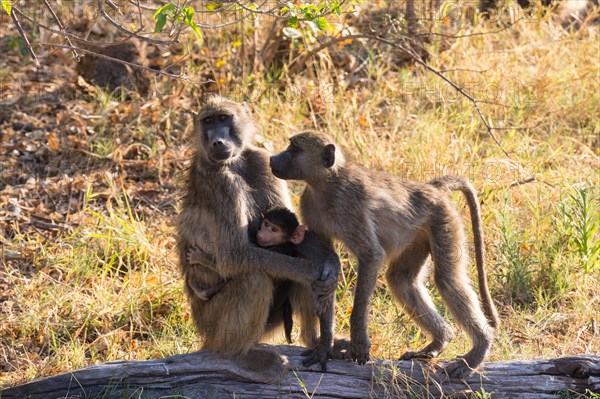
(308, 156)
(223, 128)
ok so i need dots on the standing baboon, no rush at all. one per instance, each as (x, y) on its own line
(382, 218)
(229, 185)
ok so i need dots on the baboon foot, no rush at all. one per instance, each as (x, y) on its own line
(459, 369)
(429, 352)
(359, 349)
(341, 349)
(418, 355)
(432, 350)
(264, 365)
(465, 365)
(319, 354)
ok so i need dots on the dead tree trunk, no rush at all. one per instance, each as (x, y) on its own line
(201, 375)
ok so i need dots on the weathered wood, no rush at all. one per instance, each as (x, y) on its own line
(201, 375)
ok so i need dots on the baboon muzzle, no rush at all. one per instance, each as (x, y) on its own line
(279, 164)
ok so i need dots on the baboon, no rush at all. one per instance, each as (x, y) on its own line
(382, 218)
(229, 184)
(279, 231)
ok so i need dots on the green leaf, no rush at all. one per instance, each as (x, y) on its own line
(189, 20)
(293, 21)
(161, 20)
(189, 14)
(7, 6)
(213, 6)
(162, 10)
(284, 10)
(322, 23)
(195, 28)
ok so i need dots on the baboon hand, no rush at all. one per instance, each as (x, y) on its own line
(327, 283)
(197, 256)
(319, 354)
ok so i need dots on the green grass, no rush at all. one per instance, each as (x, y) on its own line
(110, 289)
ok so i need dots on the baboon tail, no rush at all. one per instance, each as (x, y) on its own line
(459, 183)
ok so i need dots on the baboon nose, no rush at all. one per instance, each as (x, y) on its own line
(218, 143)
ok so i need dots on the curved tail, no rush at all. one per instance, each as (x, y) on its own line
(459, 183)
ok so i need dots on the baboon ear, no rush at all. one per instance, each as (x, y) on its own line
(329, 155)
(298, 234)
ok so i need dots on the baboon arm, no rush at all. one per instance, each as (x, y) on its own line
(197, 256)
(251, 259)
(320, 251)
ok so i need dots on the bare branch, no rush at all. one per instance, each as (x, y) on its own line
(133, 34)
(67, 34)
(131, 64)
(25, 39)
(140, 14)
(60, 25)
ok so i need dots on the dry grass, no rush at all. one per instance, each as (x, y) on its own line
(110, 289)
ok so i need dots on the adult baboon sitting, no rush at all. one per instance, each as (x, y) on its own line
(229, 185)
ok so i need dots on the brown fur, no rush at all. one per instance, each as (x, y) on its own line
(220, 212)
(384, 219)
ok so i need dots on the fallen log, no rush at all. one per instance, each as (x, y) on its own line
(202, 375)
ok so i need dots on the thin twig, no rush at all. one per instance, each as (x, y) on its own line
(140, 14)
(25, 39)
(142, 6)
(61, 26)
(94, 21)
(133, 34)
(131, 64)
(67, 34)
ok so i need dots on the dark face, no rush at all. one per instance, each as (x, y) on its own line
(307, 157)
(283, 165)
(219, 136)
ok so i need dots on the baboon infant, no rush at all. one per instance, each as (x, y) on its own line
(279, 231)
(382, 218)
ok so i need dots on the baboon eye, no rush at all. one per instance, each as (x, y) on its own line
(223, 117)
(207, 120)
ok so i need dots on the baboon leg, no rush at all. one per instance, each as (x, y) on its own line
(324, 348)
(234, 319)
(264, 365)
(370, 260)
(303, 304)
(404, 277)
(449, 250)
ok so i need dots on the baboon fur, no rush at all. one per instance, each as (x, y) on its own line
(229, 185)
(382, 219)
